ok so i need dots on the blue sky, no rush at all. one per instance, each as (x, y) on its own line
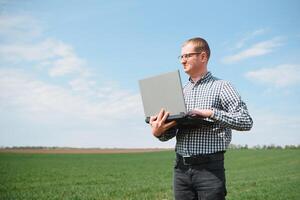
(69, 70)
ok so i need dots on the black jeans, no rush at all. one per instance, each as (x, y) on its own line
(200, 182)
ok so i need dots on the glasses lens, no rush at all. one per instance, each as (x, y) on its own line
(183, 57)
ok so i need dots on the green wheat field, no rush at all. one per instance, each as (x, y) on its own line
(251, 174)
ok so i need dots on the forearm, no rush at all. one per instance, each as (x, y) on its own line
(240, 121)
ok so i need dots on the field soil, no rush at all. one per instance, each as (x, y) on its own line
(81, 150)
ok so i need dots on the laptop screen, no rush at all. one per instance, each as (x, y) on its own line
(162, 91)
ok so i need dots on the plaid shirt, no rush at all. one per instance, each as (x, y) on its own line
(230, 112)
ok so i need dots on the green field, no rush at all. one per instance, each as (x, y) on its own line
(251, 174)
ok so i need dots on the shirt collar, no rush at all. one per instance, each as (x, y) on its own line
(204, 78)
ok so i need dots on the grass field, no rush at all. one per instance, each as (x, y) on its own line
(251, 174)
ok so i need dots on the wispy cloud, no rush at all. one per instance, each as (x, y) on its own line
(20, 44)
(60, 57)
(79, 96)
(35, 98)
(82, 85)
(279, 76)
(19, 27)
(43, 113)
(249, 36)
(258, 49)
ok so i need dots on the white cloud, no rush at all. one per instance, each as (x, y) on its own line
(34, 112)
(28, 51)
(83, 85)
(67, 65)
(279, 76)
(59, 56)
(259, 49)
(21, 92)
(75, 110)
(19, 27)
(20, 43)
(249, 36)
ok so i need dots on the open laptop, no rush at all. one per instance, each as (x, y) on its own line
(165, 91)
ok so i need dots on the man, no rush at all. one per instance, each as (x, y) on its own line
(199, 170)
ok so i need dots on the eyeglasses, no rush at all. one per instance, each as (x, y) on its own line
(187, 55)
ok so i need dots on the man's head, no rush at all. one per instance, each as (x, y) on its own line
(194, 57)
(200, 45)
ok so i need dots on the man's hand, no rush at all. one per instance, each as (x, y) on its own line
(204, 113)
(158, 124)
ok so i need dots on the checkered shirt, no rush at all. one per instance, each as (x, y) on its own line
(230, 112)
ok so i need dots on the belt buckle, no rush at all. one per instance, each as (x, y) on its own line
(186, 160)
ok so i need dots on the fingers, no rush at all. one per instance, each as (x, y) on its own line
(158, 124)
(201, 113)
(160, 114)
(159, 120)
(152, 119)
(166, 114)
(195, 112)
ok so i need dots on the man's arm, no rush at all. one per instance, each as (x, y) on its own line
(233, 114)
(163, 131)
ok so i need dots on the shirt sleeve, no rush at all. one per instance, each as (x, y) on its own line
(233, 112)
(169, 134)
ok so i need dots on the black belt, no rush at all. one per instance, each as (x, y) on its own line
(199, 159)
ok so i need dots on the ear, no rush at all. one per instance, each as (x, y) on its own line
(203, 56)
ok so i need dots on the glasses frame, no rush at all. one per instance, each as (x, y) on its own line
(188, 55)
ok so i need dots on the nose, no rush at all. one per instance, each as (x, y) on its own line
(183, 61)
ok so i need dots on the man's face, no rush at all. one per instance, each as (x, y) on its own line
(193, 63)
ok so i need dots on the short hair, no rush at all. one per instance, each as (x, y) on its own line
(200, 45)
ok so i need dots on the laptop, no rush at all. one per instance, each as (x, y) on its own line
(165, 91)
